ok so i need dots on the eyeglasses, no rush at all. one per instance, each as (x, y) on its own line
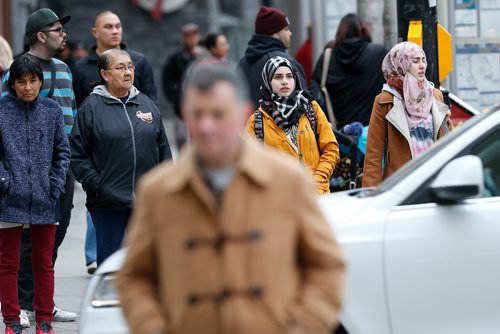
(59, 30)
(123, 69)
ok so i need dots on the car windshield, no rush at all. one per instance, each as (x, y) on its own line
(416, 163)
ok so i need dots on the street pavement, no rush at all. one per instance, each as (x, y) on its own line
(71, 272)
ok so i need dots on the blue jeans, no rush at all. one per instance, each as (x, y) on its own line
(110, 227)
(90, 242)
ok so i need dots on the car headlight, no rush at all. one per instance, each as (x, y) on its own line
(105, 294)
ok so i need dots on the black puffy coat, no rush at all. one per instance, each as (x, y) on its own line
(113, 144)
(354, 79)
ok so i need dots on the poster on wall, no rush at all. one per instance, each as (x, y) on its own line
(489, 18)
(466, 24)
(478, 75)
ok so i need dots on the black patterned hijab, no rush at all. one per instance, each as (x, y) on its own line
(285, 110)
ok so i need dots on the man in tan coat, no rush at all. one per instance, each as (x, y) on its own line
(229, 239)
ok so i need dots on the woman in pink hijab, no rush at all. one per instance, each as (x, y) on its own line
(408, 116)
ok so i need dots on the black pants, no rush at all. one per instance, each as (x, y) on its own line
(25, 285)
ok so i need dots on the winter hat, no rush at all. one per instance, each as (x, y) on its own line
(42, 18)
(270, 20)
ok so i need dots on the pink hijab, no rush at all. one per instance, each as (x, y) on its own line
(417, 96)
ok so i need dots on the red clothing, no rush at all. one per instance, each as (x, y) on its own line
(42, 244)
(304, 57)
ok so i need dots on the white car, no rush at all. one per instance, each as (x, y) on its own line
(100, 311)
(423, 249)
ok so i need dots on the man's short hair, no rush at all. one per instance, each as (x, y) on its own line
(101, 13)
(190, 28)
(203, 76)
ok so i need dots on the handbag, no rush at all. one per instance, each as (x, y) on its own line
(324, 75)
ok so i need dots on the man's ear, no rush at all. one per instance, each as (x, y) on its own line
(94, 32)
(41, 37)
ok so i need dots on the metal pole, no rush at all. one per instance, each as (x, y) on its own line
(213, 14)
(318, 27)
(421, 10)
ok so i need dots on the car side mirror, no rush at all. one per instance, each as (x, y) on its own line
(460, 179)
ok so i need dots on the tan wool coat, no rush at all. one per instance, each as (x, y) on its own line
(389, 136)
(261, 261)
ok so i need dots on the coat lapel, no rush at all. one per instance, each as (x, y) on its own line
(439, 112)
(397, 117)
(188, 175)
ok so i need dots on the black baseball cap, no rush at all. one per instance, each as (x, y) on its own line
(41, 18)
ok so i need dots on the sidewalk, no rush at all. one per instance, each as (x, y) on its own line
(71, 272)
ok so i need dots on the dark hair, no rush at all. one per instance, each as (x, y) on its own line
(32, 40)
(101, 13)
(21, 66)
(351, 25)
(203, 76)
(211, 40)
(104, 61)
(70, 45)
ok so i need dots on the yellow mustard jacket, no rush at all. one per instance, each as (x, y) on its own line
(321, 157)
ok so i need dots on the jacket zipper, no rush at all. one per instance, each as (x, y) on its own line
(133, 149)
(29, 160)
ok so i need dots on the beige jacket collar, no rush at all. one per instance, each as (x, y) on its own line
(251, 163)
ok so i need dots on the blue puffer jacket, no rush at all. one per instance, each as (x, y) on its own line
(34, 158)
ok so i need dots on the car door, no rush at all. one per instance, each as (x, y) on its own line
(442, 262)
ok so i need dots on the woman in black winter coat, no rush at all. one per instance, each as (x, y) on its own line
(118, 136)
(354, 74)
(34, 158)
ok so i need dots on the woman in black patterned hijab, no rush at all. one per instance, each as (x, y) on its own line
(289, 120)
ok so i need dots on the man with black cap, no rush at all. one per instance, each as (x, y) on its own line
(173, 74)
(272, 38)
(177, 63)
(46, 36)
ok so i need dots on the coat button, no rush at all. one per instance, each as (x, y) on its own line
(256, 292)
(220, 241)
(223, 295)
(191, 244)
(255, 235)
(193, 299)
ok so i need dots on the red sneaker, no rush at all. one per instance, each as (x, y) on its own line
(14, 328)
(44, 328)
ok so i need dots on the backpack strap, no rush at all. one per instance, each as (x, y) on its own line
(258, 125)
(52, 79)
(313, 120)
(324, 75)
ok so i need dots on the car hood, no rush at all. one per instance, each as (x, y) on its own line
(342, 207)
(112, 263)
